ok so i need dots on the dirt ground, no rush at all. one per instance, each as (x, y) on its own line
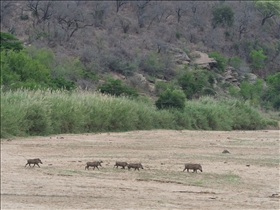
(245, 178)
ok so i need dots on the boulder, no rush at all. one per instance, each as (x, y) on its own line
(204, 61)
(180, 57)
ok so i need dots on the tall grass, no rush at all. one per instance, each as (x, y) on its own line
(25, 113)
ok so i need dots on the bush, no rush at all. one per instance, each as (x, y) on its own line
(9, 42)
(115, 87)
(272, 94)
(24, 17)
(235, 62)
(257, 59)
(222, 16)
(152, 64)
(171, 99)
(193, 83)
(19, 70)
(48, 112)
(221, 61)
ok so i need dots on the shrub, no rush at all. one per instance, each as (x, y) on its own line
(115, 87)
(193, 83)
(171, 99)
(272, 94)
(9, 42)
(222, 16)
(221, 61)
(19, 70)
(235, 62)
(24, 17)
(257, 59)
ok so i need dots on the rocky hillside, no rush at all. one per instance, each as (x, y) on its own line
(143, 42)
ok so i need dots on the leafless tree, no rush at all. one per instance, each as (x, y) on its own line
(6, 7)
(119, 3)
(157, 11)
(140, 11)
(125, 24)
(99, 9)
(277, 32)
(71, 19)
(41, 10)
(160, 45)
(243, 18)
(180, 8)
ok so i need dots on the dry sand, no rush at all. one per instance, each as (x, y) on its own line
(247, 178)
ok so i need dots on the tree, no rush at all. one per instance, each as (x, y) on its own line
(5, 9)
(268, 9)
(171, 99)
(9, 42)
(41, 10)
(222, 16)
(71, 19)
(141, 7)
(192, 84)
(119, 3)
(252, 92)
(243, 19)
(19, 70)
(221, 61)
(99, 10)
(258, 59)
(272, 94)
(115, 87)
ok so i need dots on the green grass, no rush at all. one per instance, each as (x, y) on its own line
(30, 113)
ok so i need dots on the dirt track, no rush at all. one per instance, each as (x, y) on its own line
(244, 179)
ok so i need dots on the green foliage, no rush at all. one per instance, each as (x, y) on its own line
(115, 87)
(19, 70)
(171, 99)
(161, 86)
(235, 62)
(9, 42)
(24, 17)
(252, 92)
(178, 34)
(195, 84)
(268, 9)
(221, 61)
(44, 56)
(272, 94)
(153, 64)
(257, 59)
(47, 112)
(233, 91)
(61, 83)
(70, 69)
(222, 16)
(189, 84)
(116, 64)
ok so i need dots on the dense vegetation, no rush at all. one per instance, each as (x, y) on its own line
(73, 51)
(48, 112)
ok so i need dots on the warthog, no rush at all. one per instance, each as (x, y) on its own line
(93, 164)
(34, 162)
(195, 167)
(121, 164)
(135, 166)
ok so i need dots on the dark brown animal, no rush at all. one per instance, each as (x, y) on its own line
(34, 162)
(121, 164)
(195, 167)
(135, 166)
(94, 164)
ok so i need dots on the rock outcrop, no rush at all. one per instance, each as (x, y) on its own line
(231, 76)
(180, 57)
(204, 61)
